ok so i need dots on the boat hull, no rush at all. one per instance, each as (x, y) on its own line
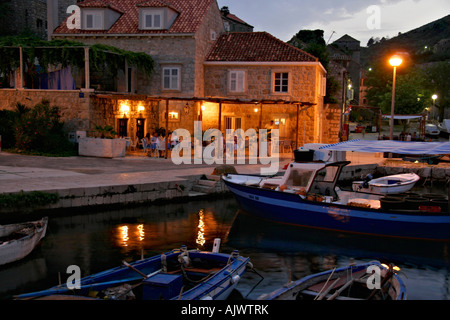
(291, 290)
(17, 249)
(216, 287)
(388, 185)
(290, 209)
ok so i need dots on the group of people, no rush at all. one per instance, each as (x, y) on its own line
(156, 143)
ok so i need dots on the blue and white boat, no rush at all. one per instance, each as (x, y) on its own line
(307, 195)
(366, 281)
(180, 274)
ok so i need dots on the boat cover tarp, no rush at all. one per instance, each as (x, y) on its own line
(399, 117)
(400, 147)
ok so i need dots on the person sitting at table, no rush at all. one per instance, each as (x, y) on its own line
(155, 141)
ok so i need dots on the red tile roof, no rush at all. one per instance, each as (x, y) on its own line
(255, 47)
(191, 14)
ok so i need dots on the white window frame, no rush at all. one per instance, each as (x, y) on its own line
(174, 83)
(98, 20)
(153, 13)
(281, 85)
(237, 81)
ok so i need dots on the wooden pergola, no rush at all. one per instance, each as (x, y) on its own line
(300, 105)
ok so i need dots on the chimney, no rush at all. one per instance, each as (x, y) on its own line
(52, 17)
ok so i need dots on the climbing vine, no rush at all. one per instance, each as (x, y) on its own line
(68, 53)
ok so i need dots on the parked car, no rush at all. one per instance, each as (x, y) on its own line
(431, 129)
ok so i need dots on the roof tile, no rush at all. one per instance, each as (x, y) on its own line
(255, 47)
(191, 14)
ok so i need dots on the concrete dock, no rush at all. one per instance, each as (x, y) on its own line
(92, 182)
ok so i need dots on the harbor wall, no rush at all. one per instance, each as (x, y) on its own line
(200, 186)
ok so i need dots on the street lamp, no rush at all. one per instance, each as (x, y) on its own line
(434, 97)
(395, 61)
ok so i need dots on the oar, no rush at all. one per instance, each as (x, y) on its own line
(134, 269)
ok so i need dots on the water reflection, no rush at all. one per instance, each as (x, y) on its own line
(201, 229)
(280, 253)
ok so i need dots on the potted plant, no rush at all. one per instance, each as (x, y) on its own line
(107, 146)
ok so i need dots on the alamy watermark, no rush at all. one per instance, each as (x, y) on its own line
(262, 146)
(373, 282)
(374, 19)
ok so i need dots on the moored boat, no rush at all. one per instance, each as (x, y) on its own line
(179, 274)
(367, 281)
(19, 240)
(307, 195)
(392, 184)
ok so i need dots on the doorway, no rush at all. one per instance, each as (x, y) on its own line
(123, 127)
(140, 128)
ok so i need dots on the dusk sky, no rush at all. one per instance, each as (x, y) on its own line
(284, 18)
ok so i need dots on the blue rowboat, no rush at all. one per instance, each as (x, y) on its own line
(176, 275)
(365, 281)
(307, 195)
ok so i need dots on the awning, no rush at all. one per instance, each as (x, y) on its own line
(399, 117)
(401, 147)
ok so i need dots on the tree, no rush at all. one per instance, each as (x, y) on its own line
(411, 93)
(312, 41)
(437, 81)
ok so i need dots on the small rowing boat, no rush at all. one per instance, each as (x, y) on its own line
(367, 281)
(19, 240)
(393, 184)
(179, 274)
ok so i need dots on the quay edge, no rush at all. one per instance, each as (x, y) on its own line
(186, 189)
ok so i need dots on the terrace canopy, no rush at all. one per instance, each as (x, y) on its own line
(400, 147)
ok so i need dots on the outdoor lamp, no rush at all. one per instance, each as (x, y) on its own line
(394, 61)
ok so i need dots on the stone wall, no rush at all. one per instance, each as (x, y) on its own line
(26, 15)
(74, 105)
(331, 123)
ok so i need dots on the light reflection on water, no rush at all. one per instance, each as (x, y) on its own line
(99, 241)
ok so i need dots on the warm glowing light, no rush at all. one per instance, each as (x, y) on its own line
(395, 268)
(201, 229)
(203, 108)
(141, 232)
(125, 238)
(434, 96)
(141, 108)
(124, 108)
(256, 109)
(173, 115)
(395, 61)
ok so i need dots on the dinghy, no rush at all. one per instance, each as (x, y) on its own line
(368, 281)
(19, 240)
(393, 184)
(180, 274)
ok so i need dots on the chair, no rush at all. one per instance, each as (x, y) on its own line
(145, 146)
(287, 144)
(162, 146)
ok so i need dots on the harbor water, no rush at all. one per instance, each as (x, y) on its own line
(279, 253)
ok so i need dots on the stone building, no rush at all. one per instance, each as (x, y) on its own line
(352, 48)
(232, 23)
(228, 80)
(24, 16)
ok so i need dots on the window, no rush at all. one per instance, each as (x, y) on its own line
(94, 21)
(171, 78)
(151, 19)
(237, 81)
(233, 123)
(281, 82)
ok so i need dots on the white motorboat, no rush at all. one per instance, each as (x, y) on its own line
(393, 184)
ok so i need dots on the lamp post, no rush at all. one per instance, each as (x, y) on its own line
(434, 97)
(395, 61)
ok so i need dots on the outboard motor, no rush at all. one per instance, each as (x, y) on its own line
(366, 180)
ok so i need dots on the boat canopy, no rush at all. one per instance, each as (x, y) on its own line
(394, 146)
